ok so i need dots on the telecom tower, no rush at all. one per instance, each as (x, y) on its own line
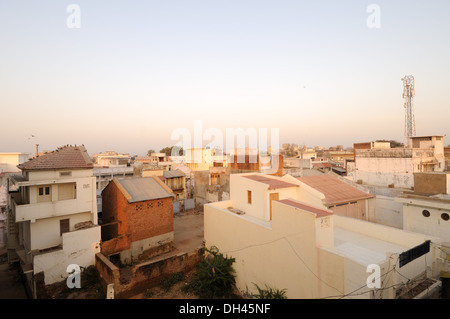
(408, 94)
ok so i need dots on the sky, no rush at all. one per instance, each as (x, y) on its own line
(123, 75)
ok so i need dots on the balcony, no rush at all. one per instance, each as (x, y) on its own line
(32, 212)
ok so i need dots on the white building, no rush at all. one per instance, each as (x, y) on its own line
(378, 164)
(52, 215)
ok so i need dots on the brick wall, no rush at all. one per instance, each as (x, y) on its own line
(138, 221)
(150, 218)
(133, 280)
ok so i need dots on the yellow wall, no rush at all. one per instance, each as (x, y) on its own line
(289, 240)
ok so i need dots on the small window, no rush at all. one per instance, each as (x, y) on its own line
(47, 190)
(62, 174)
(425, 213)
(445, 216)
(64, 226)
(41, 191)
(249, 197)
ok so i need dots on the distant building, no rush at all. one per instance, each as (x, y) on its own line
(379, 164)
(200, 159)
(111, 159)
(211, 185)
(137, 219)
(52, 216)
(176, 181)
(251, 161)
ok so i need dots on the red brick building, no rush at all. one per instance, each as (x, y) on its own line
(137, 219)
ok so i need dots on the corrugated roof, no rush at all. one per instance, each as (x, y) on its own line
(65, 157)
(272, 182)
(335, 190)
(143, 188)
(317, 211)
(173, 174)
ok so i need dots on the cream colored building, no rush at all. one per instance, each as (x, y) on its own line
(52, 215)
(10, 160)
(201, 159)
(282, 236)
(111, 159)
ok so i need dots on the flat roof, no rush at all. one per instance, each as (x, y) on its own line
(363, 249)
(317, 211)
(272, 182)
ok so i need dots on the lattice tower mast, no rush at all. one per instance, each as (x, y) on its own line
(408, 95)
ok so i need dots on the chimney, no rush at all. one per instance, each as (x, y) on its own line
(37, 150)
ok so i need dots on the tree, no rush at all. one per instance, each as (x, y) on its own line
(149, 152)
(168, 150)
(394, 143)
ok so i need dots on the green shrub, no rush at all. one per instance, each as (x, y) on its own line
(270, 293)
(214, 277)
(168, 281)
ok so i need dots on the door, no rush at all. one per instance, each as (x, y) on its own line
(272, 196)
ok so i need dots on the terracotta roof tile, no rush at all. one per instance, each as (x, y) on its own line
(63, 158)
(317, 211)
(272, 182)
(335, 190)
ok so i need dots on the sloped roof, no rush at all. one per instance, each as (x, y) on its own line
(173, 174)
(335, 191)
(140, 189)
(66, 157)
(272, 182)
(316, 211)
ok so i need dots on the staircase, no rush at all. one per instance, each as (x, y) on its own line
(12, 232)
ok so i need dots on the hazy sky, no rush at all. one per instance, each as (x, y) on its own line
(135, 70)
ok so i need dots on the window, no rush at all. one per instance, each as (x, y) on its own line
(66, 191)
(249, 197)
(64, 226)
(62, 174)
(445, 216)
(44, 194)
(425, 213)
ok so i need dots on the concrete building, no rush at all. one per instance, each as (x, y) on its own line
(10, 160)
(379, 164)
(200, 159)
(212, 185)
(251, 161)
(111, 159)
(176, 181)
(52, 215)
(282, 236)
(137, 219)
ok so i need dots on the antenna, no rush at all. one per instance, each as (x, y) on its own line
(408, 94)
